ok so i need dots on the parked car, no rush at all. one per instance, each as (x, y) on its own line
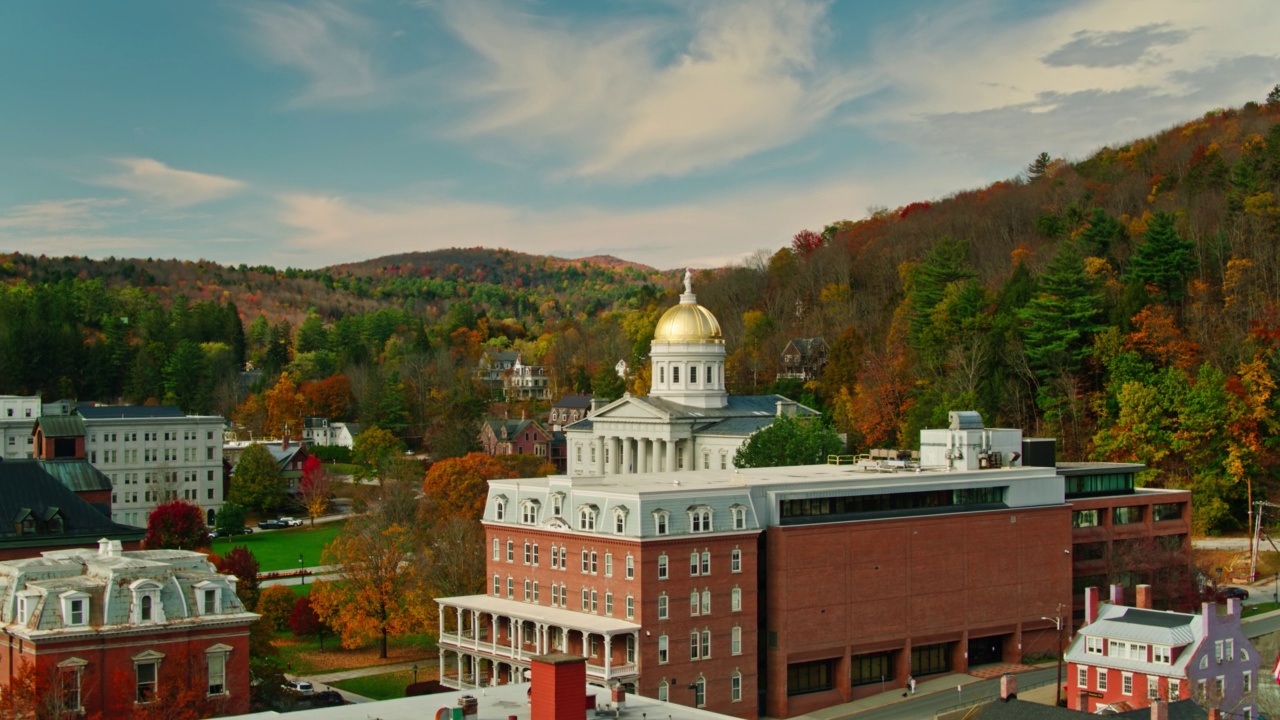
(1227, 593)
(302, 687)
(327, 698)
(271, 525)
(231, 531)
(291, 522)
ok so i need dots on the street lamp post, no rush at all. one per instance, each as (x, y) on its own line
(415, 673)
(302, 569)
(1057, 625)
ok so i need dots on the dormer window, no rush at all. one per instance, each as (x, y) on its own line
(75, 608)
(529, 512)
(700, 518)
(500, 508)
(587, 517)
(739, 517)
(208, 598)
(146, 602)
(619, 520)
(661, 522)
(557, 504)
(27, 605)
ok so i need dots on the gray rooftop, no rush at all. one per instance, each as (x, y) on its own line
(129, 412)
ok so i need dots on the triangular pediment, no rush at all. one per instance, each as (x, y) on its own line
(630, 408)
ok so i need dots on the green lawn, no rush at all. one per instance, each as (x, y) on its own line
(304, 655)
(378, 687)
(1250, 610)
(279, 549)
(345, 468)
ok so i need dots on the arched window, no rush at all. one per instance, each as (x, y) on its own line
(146, 608)
(146, 602)
(700, 692)
(735, 686)
(661, 522)
(529, 512)
(739, 517)
(619, 520)
(500, 508)
(662, 691)
(587, 517)
(699, 518)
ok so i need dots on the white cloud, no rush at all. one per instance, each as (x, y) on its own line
(58, 215)
(652, 97)
(325, 42)
(156, 181)
(709, 232)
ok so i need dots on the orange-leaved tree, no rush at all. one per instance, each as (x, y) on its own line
(330, 397)
(373, 597)
(456, 487)
(285, 408)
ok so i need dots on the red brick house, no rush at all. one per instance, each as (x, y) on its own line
(111, 630)
(515, 437)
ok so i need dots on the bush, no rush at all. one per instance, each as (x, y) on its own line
(331, 453)
(275, 605)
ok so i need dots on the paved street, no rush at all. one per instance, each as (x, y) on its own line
(932, 697)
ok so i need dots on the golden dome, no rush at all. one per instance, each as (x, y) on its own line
(688, 322)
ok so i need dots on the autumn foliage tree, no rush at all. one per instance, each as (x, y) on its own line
(256, 482)
(314, 488)
(285, 408)
(275, 604)
(40, 692)
(374, 449)
(176, 525)
(457, 487)
(305, 622)
(330, 397)
(371, 600)
(241, 563)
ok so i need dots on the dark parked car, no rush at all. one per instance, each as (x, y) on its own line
(272, 525)
(327, 698)
(232, 531)
(1226, 593)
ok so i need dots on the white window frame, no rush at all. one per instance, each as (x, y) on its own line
(735, 600)
(664, 605)
(739, 517)
(706, 601)
(1248, 681)
(217, 654)
(500, 508)
(1082, 676)
(1100, 676)
(153, 659)
(529, 512)
(700, 692)
(661, 522)
(1161, 654)
(142, 589)
(1174, 689)
(735, 640)
(1126, 684)
(1093, 645)
(694, 565)
(1153, 687)
(200, 589)
(663, 650)
(735, 687)
(701, 519)
(662, 691)
(695, 603)
(27, 601)
(73, 667)
(631, 566)
(663, 567)
(631, 608)
(735, 560)
(70, 600)
(586, 518)
(619, 521)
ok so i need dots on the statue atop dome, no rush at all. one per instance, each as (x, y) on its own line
(688, 281)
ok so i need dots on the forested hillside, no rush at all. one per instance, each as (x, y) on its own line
(1125, 303)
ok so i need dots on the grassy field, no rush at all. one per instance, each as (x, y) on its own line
(279, 549)
(380, 687)
(304, 656)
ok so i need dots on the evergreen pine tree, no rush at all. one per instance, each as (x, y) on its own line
(1060, 319)
(945, 264)
(1100, 234)
(1164, 260)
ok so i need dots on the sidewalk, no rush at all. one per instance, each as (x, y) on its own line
(892, 694)
(374, 670)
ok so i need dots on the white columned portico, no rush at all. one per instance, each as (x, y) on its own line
(671, 455)
(615, 454)
(628, 456)
(598, 444)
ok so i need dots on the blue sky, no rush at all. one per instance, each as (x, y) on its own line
(669, 132)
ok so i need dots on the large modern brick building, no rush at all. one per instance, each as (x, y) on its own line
(780, 591)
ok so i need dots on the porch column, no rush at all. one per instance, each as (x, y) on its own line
(615, 454)
(460, 636)
(628, 457)
(671, 455)
(493, 632)
(642, 453)
(475, 627)
(608, 656)
(516, 633)
(440, 632)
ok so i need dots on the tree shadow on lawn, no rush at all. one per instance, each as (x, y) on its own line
(303, 655)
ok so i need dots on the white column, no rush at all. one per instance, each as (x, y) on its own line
(493, 632)
(440, 634)
(516, 633)
(475, 627)
(608, 656)
(598, 443)
(642, 455)
(690, 460)
(628, 457)
(671, 455)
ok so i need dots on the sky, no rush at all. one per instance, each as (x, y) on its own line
(667, 132)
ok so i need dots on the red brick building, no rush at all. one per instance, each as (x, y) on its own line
(108, 631)
(779, 591)
(515, 437)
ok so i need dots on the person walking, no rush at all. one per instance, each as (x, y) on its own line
(911, 684)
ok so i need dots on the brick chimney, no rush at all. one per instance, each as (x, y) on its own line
(470, 707)
(618, 694)
(559, 682)
(1159, 710)
(1117, 594)
(1144, 597)
(1008, 687)
(1090, 605)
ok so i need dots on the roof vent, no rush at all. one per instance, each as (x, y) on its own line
(965, 420)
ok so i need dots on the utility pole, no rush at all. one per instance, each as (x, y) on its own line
(1058, 625)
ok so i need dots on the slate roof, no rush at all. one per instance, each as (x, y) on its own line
(513, 427)
(574, 402)
(807, 346)
(1180, 710)
(129, 412)
(25, 487)
(61, 426)
(1016, 709)
(1153, 627)
(739, 406)
(736, 426)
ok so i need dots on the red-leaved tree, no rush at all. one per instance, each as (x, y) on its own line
(304, 621)
(313, 488)
(806, 242)
(241, 563)
(176, 525)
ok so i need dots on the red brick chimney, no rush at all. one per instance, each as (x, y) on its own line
(1090, 605)
(1144, 597)
(1008, 686)
(559, 683)
(619, 696)
(1159, 710)
(1117, 594)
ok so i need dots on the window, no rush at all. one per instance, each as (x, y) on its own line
(595, 562)
(555, 595)
(619, 521)
(208, 598)
(695, 645)
(595, 605)
(1248, 681)
(555, 557)
(706, 602)
(1126, 683)
(528, 553)
(1175, 689)
(1126, 515)
(528, 590)
(662, 606)
(695, 603)
(216, 659)
(497, 549)
(146, 681)
(71, 675)
(631, 649)
(739, 517)
(564, 558)
(535, 554)
(735, 640)
(1084, 518)
(586, 518)
(735, 686)
(1231, 649)
(706, 644)
(1169, 511)
(735, 600)
(511, 551)
(810, 677)
(735, 561)
(497, 586)
(724, 461)
(662, 376)
(631, 609)
(662, 690)
(700, 692)
(608, 564)
(75, 608)
(1217, 650)
(662, 567)
(693, 565)
(529, 512)
(557, 503)
(693, 374)
(662, 649)
(1093, 645)
(608, 603)
(586, 561)
(706, 460)
(511, 588)
(661, 522)
(706, 562)
(700, 519)
(500, 509)
(1101, 678)
(675, 374)
(146, 602)
(1082, 676)
(1153, 687)
(1218, 685)
(631, 567)
(1160, 654)
(586, 600)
